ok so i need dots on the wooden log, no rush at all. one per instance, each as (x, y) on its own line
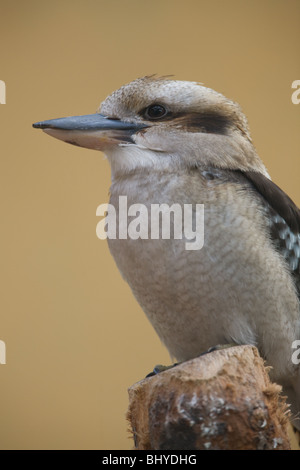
(294, 436)
(221, 400)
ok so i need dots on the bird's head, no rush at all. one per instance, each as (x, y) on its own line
(163, 124)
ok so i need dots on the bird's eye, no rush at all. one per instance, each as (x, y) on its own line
(155, 111)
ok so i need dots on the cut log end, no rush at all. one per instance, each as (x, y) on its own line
(221, 400)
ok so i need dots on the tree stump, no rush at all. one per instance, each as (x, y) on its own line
(221, 400)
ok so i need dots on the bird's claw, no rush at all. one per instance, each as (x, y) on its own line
(218, 347)
(160, 368)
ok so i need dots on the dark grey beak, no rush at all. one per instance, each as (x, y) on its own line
(88, 122)
(94, 131)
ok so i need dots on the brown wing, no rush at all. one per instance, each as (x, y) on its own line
(282, 215)
(284, 221)
(280, 202)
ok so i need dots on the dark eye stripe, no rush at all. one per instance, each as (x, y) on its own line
(210, 123)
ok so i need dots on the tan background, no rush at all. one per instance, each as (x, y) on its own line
(75, 337)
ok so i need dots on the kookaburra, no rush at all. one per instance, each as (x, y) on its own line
(178, 142)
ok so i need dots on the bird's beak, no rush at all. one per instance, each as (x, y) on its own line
(93, 131)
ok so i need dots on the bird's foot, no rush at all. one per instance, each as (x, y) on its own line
(218, 347)
(160, 368)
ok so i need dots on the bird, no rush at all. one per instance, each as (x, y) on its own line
(180, 142)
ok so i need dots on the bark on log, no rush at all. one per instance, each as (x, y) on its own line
(221, 400)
